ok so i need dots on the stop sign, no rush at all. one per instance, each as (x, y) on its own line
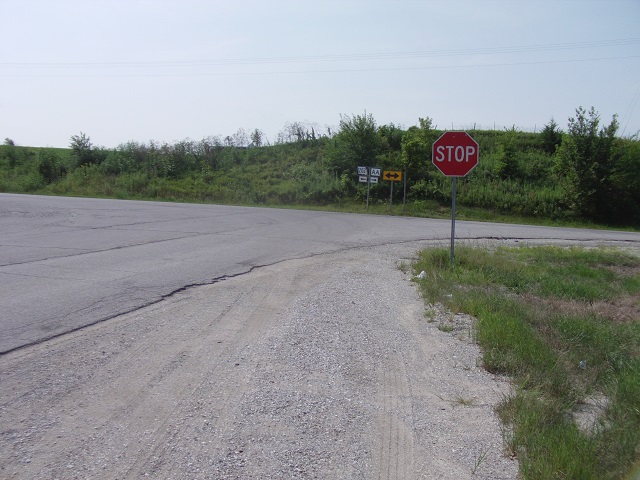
(455, 153)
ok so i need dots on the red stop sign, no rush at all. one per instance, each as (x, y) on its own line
(455, 153)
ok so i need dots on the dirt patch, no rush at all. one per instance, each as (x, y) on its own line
(625, 309)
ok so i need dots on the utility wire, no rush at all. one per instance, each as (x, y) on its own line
(354, 57)
(318, 71)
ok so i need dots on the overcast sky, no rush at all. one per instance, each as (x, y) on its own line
(166, 70)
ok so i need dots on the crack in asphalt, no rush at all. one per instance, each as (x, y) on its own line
(89, 252)
(302, 255)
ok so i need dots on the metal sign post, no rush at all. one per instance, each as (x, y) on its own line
(453, 216)
(392, 176)
(404, 195)
(368, 187)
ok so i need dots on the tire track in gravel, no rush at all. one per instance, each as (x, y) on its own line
(395, 458)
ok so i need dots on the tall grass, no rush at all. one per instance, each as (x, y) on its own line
(563, 323)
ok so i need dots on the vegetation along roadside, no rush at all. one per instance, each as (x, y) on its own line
(564, 324)
(583, 175)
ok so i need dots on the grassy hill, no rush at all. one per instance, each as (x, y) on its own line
(520, 176)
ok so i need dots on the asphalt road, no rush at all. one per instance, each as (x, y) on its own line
(70, 262)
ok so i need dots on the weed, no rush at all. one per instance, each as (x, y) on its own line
(446, 327)
(430, 314)
(404, 267)
(463, 401)
(561, 322)
(479, 459)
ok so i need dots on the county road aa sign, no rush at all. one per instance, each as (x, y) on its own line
(455, 153)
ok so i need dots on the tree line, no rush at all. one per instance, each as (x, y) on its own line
(583, 172)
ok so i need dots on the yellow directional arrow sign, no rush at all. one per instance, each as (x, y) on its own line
(392, 175)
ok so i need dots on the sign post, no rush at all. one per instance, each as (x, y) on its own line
(392, 176)
(455, 154)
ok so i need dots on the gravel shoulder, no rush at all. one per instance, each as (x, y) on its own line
(324, 367)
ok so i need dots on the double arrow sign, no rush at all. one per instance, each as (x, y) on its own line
(392, 175)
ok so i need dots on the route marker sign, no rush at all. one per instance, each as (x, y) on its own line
(392, 175)
(368, 175)
(455, 153)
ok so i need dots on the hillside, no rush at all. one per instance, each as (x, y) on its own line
(584, 174)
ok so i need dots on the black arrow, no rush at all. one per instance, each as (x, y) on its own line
(393, 175)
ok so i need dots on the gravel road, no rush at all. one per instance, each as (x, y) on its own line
(324, 367)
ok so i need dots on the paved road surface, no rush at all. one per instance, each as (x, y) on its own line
(70, 262)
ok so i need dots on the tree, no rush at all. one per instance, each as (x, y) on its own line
(82, 150)
(507, 164)
(626, 183)
(586, 160)
(10, 152)
(551, 137)
(240, 138)
(416, 154)
(257, 137)
(210, 149)
(298, 132)
(357, 143)
(391, 137)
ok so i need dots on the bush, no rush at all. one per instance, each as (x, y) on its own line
(50, 166)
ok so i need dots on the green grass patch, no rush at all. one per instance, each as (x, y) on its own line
(563, 323)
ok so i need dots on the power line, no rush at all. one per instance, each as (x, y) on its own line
(339, 70)
(354, 57)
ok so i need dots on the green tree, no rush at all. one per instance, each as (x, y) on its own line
(356, 144)
(391, 137)
(551, 137)
(625, 179)
(9, 152)
(507, 164)
(416, 156)
(586, 160)
(82, 150)
(257, 137)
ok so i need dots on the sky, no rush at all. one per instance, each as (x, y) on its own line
(168, 70)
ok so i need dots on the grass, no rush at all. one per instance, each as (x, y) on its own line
(284, 176)
(563, 323)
